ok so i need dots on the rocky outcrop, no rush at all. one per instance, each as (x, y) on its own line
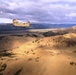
(16, 23)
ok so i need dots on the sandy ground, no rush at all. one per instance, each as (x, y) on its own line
(36, 56)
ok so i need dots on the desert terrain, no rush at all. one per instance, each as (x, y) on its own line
(44, 52)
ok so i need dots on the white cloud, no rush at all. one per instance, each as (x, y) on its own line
(69, 0)
(71, 15)
(47, 1)
(38, 10)
(5, 20)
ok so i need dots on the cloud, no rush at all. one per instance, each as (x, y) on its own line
(5, 20)
(42, 11)
(71, 15)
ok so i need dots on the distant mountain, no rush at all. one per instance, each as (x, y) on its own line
(10, 26)
(40, 26)
(45, 26)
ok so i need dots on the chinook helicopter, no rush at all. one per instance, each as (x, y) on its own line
(16, 23)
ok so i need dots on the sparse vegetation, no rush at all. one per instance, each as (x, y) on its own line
(1, 37)
(74, 51)
(61, 42)
(27, 52)
(30, 59)
(5, 53)
(2, 67)
(34, 35)
(18, 72)
(72, 63)
(1, 73)
(51, 33)
(32, 50)
(33, 53)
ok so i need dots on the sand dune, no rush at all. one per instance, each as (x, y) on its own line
(31, 55)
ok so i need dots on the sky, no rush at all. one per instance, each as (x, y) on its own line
(38, 11)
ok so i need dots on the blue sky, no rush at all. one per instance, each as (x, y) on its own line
(38, 11)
